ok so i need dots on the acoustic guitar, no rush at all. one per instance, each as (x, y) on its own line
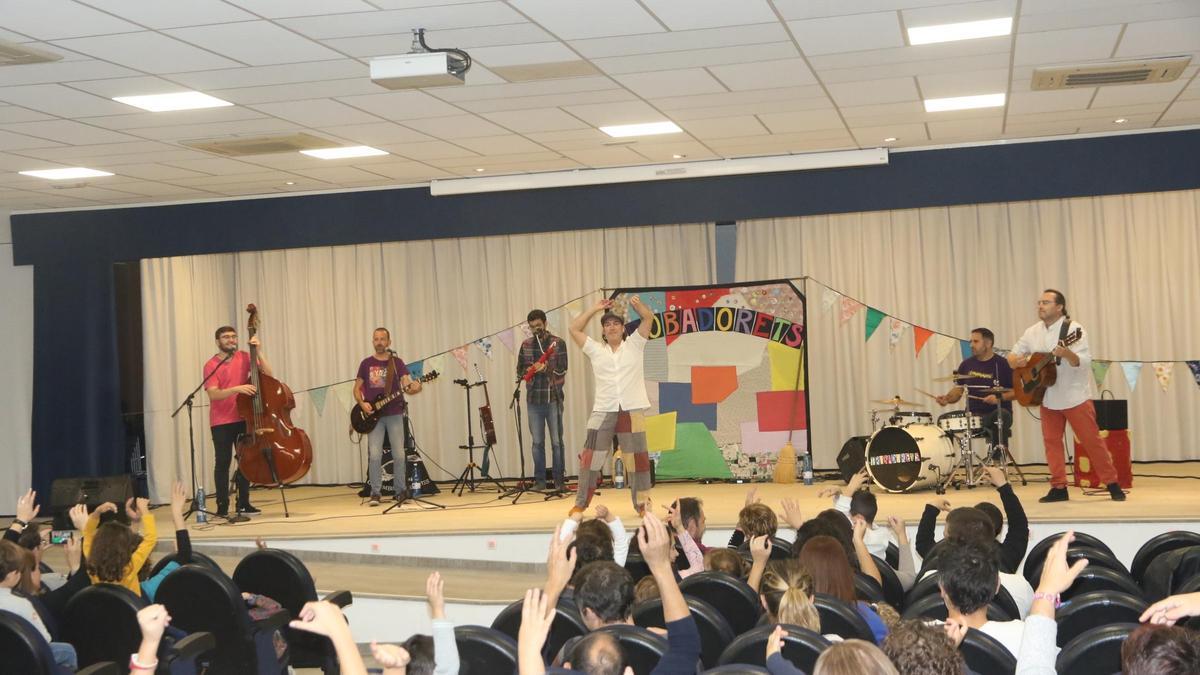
(1040, 373)
(364, 422)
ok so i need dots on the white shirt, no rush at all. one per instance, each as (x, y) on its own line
(1073, 385)
(619, 375)
(1008, 633)
(1017, 587)
(24, 609)
(876, 538)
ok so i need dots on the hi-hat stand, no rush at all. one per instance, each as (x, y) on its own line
(467, 480)
(404, 495)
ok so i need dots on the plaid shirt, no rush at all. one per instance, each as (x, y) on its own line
(546, 386)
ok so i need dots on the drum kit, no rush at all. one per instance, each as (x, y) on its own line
(909, 450)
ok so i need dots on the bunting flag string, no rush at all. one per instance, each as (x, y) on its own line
(945, 345)
(1195, 368)
(874, 318)
(1100, 371)
(829, 299)
(850, 307)
(964, 346)
(460, 355)
(1162, 371)
(318, 398)
(484, 344)
(895, 331)
(920, 337)
(1132, 370)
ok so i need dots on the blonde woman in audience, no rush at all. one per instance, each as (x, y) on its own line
(725, 560)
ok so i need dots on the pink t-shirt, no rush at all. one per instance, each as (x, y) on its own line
(236, 372)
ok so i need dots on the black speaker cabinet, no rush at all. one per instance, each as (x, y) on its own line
(1111, 414)
(90, 490)
(853, 456)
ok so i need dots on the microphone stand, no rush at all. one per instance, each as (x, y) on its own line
(522, 487)
(404, 495)
(196, 506)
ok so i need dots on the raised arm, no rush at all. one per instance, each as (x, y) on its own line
(579, 323)
(646, 314)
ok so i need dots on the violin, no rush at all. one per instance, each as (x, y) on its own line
(273, 451)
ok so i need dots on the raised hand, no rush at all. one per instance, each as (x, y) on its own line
(775, 641)
(856, 482)
(791, 513)
(435, 596)
(27, 508)
(996, 476)
(1169, 610)
(940, 504)
(74, 550)
(752, 497)
(153, 620)
(106, 507)
(760, 549)
(321, 617)
(559, 564)
(79, 516)
(654, 542)
(390, 656)
(536, 617)
(131, 510)
(1056, 575)
(899, 528)
(956, 631)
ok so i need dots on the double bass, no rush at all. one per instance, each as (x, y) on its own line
(273, 451)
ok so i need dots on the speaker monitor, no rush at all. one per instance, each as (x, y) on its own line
(1111, 414)
(853, 456)
(90, 490)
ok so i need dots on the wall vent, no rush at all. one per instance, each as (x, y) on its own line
(13, 54)
(1147, 71)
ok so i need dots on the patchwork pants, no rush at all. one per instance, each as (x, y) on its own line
(629, 428)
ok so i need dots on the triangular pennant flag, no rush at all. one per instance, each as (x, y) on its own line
(850, 307)
(460, 355)
(895, 332)
(416, 370)
(506, 337)
(920, 337)
(523, 330)
(1132, 370)
(437, 363)
(829, 298)
(874, 318)
(1100, 371)
(485, 345)
(1162, 370)
(964, 346)
(318, 398)
(945, 345)
(344, 393)
(553, 319)
(1195, 367)
(574, 308)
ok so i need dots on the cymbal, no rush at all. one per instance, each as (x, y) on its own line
(952, 377)
(995, 390)
(897, 401)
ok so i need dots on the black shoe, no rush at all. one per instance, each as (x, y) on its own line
(222, 510)
(1114, 489)
(1055, 495)
(249, 508)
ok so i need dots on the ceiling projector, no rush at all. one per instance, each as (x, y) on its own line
(422, 67)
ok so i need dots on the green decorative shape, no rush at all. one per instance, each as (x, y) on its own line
(874, 318)
(696, 455)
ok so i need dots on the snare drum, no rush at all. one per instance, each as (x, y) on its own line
(959, 420)
(907, 458)
(907, 417)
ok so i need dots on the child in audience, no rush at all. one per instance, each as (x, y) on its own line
(12, 559)
(115, 553)
(725, 560)
(918, 648)
(825, 559)
(183, 546)
(786, 592)
(858, 504)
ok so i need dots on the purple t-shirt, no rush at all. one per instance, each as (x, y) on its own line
(373, 374)
(993, 372)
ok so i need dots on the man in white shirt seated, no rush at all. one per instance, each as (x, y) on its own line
(969, 577)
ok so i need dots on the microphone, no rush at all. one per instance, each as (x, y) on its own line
(461, 383)
(392, 352)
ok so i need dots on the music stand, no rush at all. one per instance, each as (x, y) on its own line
(187, 403)
(404, 495)
(467, 479)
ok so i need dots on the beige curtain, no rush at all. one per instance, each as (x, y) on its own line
(1128, 265)
(320, 305)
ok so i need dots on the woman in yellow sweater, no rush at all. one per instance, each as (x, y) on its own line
(114, 552)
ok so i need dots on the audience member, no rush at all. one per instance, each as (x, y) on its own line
(115, 553)
(1161, 650)
(604, 594)
(153, 621)
(12, 559)
(691, 551)
(1012, 549)
(1039, 647)
(724, 560)
(421, 654)
(918, 648)
(969, 577)
(183, 545)
(786, 592)
(324, 618)
(825, 560)
(691, 514)
(907, 573)
(645, 590)
(603, 537)
(849, 657)
(27, 510)
(754, 519)
(861, 505)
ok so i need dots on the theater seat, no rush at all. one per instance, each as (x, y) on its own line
(642, 648)
(567, 624)
(1095, 557)
(893, 590)
(197, 559)
(1095, 609)
(840, 618)
(1168, 573)
(985, 655)
(484, 650)
(1037, 554)
(1095, 652)
(933, 607)
(736, 669)
(867, 589)
(715, 633)
(27, 652)
(801, 646)
(733, 598)
(1156, 546)
(1101, 579)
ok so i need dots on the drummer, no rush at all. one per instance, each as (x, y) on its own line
(984, 370)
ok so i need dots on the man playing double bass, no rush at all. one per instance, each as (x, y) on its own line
(232, 377)
(384, 373)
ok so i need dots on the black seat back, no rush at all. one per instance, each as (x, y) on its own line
(115, 637)
(737, 669)
(642, 648)
(867, 589)
(1037, 554)
(893, 590)
(483, 650)
(1169, 572)
(197, 559)
(1095, 652)
(567, 624)
(24, 648)
(1095, 609)
(985, 655)
(733, 598)
(283, 577)
(1102, 579)
(840, 618)
(801, 646)
(1156, 546)
(781, 549)
(933, 607)
(715, 632)
(1095, 557)
(892, 555)
(926, 586)
(636, 565)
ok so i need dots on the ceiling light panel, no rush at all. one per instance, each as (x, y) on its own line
(963, 102)
(953, 32)
(183, 100)
(65, 174)
(344, 153)
(646, 129)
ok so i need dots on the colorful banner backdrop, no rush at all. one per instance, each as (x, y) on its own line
(726, 372)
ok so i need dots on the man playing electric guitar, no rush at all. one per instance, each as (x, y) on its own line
(1068, 399)
(546, 355)
(384, 373)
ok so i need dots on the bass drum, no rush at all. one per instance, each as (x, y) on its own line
(901, 459)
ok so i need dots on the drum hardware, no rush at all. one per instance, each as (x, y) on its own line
(896, 402)
(952, 377)
(911, 457)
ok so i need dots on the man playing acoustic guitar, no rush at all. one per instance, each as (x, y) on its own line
(384, 373)
(1068, 398)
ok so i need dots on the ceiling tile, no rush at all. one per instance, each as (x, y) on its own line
(508, 55)
(256, 127)
(739, 97)
(216, 165)
(764, 74)
(960, 129)
(401, 105)
(149, 52)
(510, 144)
(340, 174)
(82, 68)
(880, 114)
(261, 76)
(158, 14)
(527, 121)
(959, 64)
(1041, 129)
(11, 113)
(408, 171)
(671, 83)
(874, 91)
(143, 120)
(456, 126)
(403, 21)
(127, 86)
(1134, 94)
(357, 86)
(550, 100)
(699, 57)
(958, 13)
(376, 134)
(712, 38)
(604, 114)
(963, 84)
(111, 152)
(1182, 110)
(276, 9)
(665, 152)
(763, 107)
(54, 19)
(152, 189)
(67, 131)
(154, 172)
(577, 19)
(725, 127)
(15, 141)
(942, 51)
(1041, 15)
(858, 32)
(692, 14)
(56, 99)
(1065, 46)
(462, 38)
(1160, 37)
(802, 121)
(256, 43)
(595, 157)
(316, 112)
(805, 9)
(905, 134)
(516, 90)
(429, 151)
(1023, 102)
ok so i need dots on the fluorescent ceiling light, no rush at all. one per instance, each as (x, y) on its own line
(637, 174)
(963, 102)
(951, 32)
(648, 129)
(65, 174)
(183, 100)
(343, 153)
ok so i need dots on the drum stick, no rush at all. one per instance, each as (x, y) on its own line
(921, 391)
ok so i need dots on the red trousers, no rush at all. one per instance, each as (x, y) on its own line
(1083, 423)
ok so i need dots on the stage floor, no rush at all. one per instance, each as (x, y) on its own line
(1161, 492)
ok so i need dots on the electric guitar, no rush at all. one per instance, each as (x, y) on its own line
(1031, 381)
(364, 422)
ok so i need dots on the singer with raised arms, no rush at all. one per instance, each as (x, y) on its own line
(620, 399)
(542, 363)
(232, 377)
(384, 373)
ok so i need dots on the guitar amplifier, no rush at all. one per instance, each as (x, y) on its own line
(1111, 414)
(90, 490)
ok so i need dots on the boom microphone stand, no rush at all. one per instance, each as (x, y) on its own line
(196, 506)
(404, 495)
(522, 487)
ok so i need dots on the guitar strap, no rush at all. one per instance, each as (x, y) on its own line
(1062, 335)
